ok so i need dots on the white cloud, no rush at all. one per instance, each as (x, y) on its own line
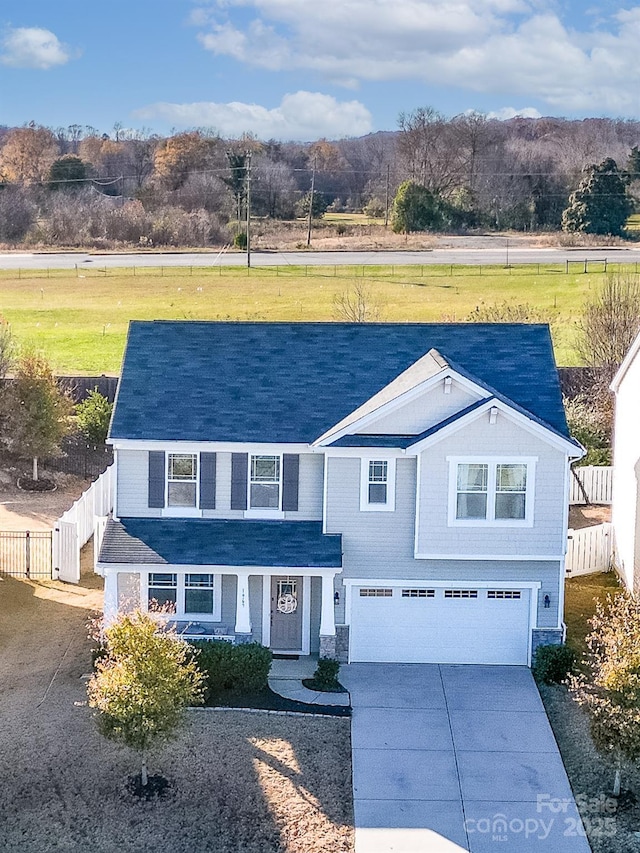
(32, 47)
(300, 116)
(506, 47)
(506, 113)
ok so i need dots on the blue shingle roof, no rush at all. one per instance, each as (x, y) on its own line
(213, 542)
(290, 382)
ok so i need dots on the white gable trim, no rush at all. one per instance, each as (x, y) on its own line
(626, 364)
(336, 432)
(512, 414)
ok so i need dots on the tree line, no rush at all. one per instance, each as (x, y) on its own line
(75, 186)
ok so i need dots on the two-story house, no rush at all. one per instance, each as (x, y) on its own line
(383, 492)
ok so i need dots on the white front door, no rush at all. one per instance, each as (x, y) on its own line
(415, 623)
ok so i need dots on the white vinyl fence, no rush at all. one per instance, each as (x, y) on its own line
(74, 529)
(591, 484)
(590, 550)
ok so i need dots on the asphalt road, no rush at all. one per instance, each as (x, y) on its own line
(474, 255)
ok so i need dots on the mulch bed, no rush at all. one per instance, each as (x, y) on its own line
(312, 684)
(26, 484)
(267, 700)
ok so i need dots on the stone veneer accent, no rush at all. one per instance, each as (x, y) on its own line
(342, 643)
(327, 646)
(241, 639)
(545, 637)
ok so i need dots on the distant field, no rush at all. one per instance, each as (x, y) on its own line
(352, 219)
(80, 320)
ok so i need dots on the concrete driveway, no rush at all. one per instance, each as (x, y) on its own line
(455, 758)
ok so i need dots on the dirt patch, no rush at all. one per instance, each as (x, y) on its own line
(239, 782)
(588, 516)
(21, 510)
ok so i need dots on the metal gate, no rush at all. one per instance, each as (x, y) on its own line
(26, 553)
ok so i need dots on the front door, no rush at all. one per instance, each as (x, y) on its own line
(286, 613)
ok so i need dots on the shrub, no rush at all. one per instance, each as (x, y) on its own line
(232, 669)
(553, 664)
(240, 240)
(94, 415)
(326, 674)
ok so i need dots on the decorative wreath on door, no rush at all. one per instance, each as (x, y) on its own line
(287, 603)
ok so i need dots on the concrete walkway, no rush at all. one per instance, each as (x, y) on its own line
(286, 679)
(456, 758)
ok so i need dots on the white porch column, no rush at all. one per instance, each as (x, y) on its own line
(243, 616)
(110, 607)
(327, 614)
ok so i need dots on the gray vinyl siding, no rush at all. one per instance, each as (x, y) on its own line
(547, 535)
(255, 606)
(381, 544)
(228, 617)
(133, 487)
(316, 606)
(423, 412)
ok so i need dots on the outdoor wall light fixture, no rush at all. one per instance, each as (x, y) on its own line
(336, 598)
(547, 602)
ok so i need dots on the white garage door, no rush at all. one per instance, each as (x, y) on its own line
(421, 624)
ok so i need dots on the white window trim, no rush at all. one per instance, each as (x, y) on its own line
(492, 462)
(180, 614)
(181, 511)
(390, 504)
(264, 512)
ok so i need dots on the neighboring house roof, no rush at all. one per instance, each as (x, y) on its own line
(213, 542)
(291, 382)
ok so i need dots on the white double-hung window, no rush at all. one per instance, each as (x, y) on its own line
(265, 482)
(182, 479)
(377, 484)
(494, 492)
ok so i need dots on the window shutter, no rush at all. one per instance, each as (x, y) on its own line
(290, 478)
(239, 473)
(207, 481)
(157, 477)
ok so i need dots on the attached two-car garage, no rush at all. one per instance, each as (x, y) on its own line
(414, 623)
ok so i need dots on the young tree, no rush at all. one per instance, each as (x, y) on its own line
(39, 412)
(609, 689)
(94, 416)
(142, 685)
(357, 304)
(600, 205)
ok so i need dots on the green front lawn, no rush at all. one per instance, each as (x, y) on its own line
(581, 594)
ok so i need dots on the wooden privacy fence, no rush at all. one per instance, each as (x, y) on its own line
(74, 529)
(591, 484)
(26, 553)
(590, 550)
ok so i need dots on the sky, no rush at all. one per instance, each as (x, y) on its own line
(305, 69)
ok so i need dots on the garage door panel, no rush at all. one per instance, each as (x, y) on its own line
(472, 629)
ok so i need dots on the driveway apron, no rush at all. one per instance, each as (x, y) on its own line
(456, 758)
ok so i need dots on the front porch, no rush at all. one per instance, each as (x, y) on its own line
(286, 604)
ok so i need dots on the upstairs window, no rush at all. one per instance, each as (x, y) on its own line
(377, 484)
(182, 479)
(264, 482)
(378, 472)
(492, 492)
(473, 484)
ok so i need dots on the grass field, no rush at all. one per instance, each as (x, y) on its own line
(79, 319)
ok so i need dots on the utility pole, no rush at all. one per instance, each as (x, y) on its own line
(248, 174)
(386, 202)
(311, 197)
